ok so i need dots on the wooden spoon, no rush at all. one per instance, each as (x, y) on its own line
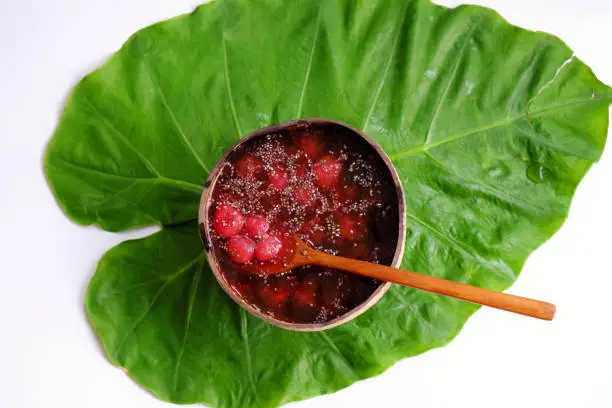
(303, 254)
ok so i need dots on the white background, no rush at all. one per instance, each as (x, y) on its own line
(49, 356)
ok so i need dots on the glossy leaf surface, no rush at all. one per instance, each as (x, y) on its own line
(491, 128)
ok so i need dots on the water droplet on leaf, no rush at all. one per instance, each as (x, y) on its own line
(497, 170)
(537, 173)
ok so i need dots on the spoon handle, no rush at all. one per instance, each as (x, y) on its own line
(504, 301)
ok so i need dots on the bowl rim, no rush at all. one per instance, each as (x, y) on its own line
(204, 229)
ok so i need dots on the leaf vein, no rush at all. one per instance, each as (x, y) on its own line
(415, 312)
(161, 290)
(157, 179)
(111, 294)
(490, 189)
(109, 199)
(550, 82)
(244, 333)
(142, 157)
(501, 123)
(192, 297)
(506, 273)
(381, 85)
(333, 345)
(174, 119)
(449, 82)
(310, 61)
(228, 88)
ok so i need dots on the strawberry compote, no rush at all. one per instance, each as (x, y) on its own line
(325, 185)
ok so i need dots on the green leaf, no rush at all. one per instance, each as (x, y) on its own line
(169, 324)
(490, 126)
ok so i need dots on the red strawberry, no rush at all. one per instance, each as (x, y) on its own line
(278, 177)
(271, 200)
(268, 248)
(327, 171)
(302, 169)
(256, 226)
(352, 227)
(305, 297)
(240, 249)
(248, 166)
(310, 144)
(273, 297)
(228, 221)
(306, 195)
(286, 282)
(334, 199)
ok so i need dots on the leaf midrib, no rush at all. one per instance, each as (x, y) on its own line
(192, 297)
(310, 62)
(156, 179)
(497, 124)
(157, 295)
(184, 137)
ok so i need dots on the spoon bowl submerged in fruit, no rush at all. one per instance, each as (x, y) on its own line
(332, 191)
